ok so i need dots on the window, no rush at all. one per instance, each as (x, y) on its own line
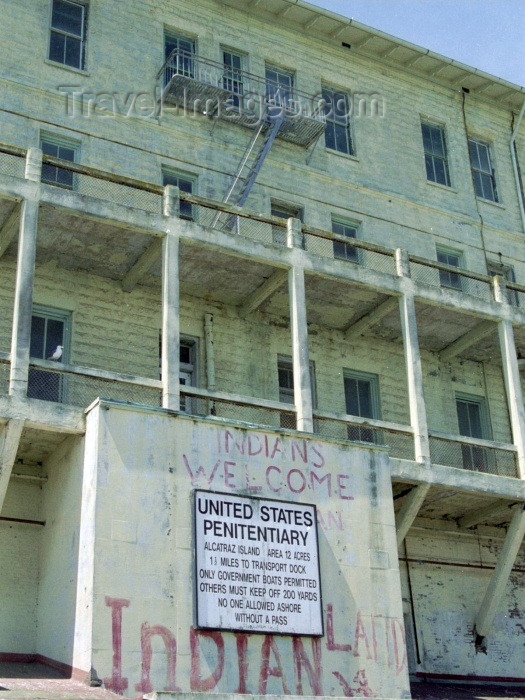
(279, 89)
(482, 170)
(185, 183)
(286, 389)
(449, 257)
(188, 371)
(233, 75)
(59, 148)
(50, 333)
(473, 422)
(337, 134)
(362, 399)
(67, 43)
(435, 148)
(345, 251)
(507, 271)
(284, 211)
(182, 61)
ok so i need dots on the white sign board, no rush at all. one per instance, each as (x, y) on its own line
(257, 565)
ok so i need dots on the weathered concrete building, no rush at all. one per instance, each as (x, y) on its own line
(288, 251)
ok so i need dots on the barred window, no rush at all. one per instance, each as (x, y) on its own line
(337, 134)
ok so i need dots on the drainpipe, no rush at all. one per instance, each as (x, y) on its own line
(515, 166)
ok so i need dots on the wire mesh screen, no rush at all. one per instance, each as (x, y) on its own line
(489, 460)
(117, 193)
(78, 390)
(4, 377)
(451, 280)
(242, 226)
(13, 166)
(230, 410)
(338, 250)
(400, 445)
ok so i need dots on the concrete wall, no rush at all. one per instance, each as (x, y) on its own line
(19, 567)
(143, 632)
(59, 552)
(449, 574)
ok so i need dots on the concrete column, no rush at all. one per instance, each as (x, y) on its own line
(300, 353)
(170, 359)
(25, 277)
(501, 574)
(511, 375)
(416, 398)
(171, 201)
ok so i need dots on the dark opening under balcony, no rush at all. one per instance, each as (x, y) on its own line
(191, 85)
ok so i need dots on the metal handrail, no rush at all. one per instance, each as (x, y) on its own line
(209, 72)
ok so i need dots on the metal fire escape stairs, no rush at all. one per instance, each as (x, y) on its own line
(248, 169)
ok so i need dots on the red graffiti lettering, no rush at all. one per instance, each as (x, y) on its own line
(343, 487)
(360, 633)
(277, 671)
(319, 480)
(302, 481)
(347, 690)
(331, 645)
(363, 689)
(200, 472)
(317, 450)
(400, 661)
(301, 448)
(313, 671)
(198, 683)
(229, 475)
(146, 634)
(116, 683)
(241, 641)
(230, 436)
(251, 451)
(276, 447)
(268, 470)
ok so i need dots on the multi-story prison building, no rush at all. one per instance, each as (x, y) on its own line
(260, 249)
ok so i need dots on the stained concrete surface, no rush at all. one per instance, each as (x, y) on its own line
(35, 681)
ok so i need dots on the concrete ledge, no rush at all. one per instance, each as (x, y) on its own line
(43, 415)
(166, 695)
(458, 479)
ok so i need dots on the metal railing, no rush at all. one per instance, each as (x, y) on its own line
(449, 277)
(473, 454)
(238, 93)
(399, 439)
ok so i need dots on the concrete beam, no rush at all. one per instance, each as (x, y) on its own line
(409, 510)
(43, 415)
(143, 265)
(458, 479)
(498, 582)
(482, 330)
(10, 228)
(9, 441)
(265, 291)
(170, 359)
(480, 515)
(370, 319)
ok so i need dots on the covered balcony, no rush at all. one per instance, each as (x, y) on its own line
(192, 84)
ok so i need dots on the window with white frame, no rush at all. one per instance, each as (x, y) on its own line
(185, 183)
(233, 77)
(337, 135)
(473, 422)
(181, 50)
(279, 89)
(449, 256)
(286, 388)
(67, 43)
(65, 149)
(345, 251)
(362, 399)
(482, 167)
(435, 148)
(284, 211)
(50, 340)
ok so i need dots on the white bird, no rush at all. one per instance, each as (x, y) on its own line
(57, 354)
